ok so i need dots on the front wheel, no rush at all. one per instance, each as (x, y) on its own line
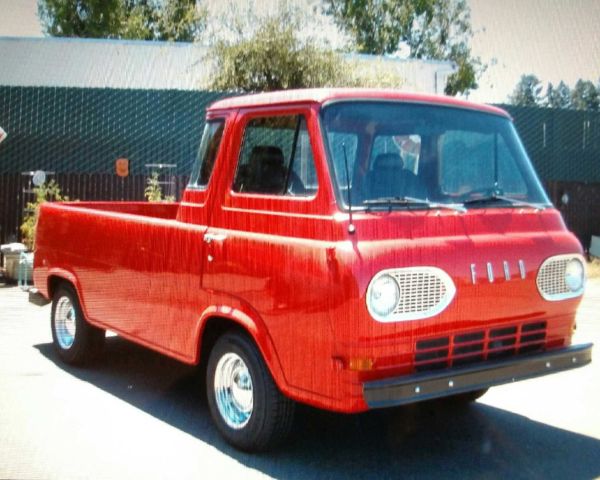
(74, 339)
(245, 404)
(467, 397)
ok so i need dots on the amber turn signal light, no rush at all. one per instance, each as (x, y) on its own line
(360, 364)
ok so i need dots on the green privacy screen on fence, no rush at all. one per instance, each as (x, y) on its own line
(78, 133)
(564, 145)
(86, 129)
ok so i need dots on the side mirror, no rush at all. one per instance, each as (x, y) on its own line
(3, 134)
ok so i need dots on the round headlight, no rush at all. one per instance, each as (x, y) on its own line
(384, 295)
(574, 275)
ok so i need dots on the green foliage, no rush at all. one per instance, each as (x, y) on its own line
(46, 192)
(372, 74)
(585, 96)
(559, 97)
(527, 92)
(428, 29)
(80, 18)
(153, 191)
(377, 26)
(177, 20)
(469, 69)
(275, 57)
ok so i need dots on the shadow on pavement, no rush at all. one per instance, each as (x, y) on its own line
(430, 440)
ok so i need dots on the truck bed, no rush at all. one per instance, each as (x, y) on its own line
(130, 262)
(167, 211)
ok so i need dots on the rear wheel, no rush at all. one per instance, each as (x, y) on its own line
(75, 340)
(245, 404)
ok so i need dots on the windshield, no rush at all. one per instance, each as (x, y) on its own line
(402, 155)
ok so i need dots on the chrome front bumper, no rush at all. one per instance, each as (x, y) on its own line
(451, 381)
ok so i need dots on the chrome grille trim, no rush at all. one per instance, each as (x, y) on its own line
(424, 292)
(480, 345)
(550, 279)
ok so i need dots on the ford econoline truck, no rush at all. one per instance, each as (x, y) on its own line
(348, 249)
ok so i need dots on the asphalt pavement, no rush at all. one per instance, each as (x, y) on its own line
(137, 414)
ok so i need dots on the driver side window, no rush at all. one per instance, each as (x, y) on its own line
(276, 158)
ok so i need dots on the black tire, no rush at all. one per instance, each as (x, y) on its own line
(467, 397)
(271, 414)
(79, 342)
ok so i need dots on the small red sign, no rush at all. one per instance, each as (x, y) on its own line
(122, 167)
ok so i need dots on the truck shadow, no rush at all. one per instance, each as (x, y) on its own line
(430, 440)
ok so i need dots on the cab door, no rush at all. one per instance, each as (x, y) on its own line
(267, 243)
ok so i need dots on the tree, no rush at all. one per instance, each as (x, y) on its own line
(177, 20)
(559, 97)
(585, 96)
(377, 27)
(527, 92)
(46, 192)
(275, 57)
(81, 18)
(429, 29)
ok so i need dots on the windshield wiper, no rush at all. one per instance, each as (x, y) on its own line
(409, 201)
(495, 197)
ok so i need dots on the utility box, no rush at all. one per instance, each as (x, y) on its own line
(11, 253)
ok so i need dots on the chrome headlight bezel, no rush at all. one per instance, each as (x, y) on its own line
(383, 296)
(561, 277)
(423, 292)
(575, 275)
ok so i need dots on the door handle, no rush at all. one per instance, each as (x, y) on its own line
(209, 238)
(214, 237)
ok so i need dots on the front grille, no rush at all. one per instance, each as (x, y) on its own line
(424, 292)
(551, 277)
(478, 346)
(421, 291)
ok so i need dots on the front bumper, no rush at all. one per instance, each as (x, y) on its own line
(429, 385)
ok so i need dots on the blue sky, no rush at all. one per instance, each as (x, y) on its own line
(553, 39)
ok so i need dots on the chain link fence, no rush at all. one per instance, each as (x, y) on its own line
(79, 133)
(564, 145)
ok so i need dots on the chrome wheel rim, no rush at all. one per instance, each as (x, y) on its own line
(233, 390)
(65, 322)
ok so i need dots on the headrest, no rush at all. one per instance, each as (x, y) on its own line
(388, 161)
(267, 154)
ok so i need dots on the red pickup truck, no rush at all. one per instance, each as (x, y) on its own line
(347, 249)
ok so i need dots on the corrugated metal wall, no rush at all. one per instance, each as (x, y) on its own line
(79, 133)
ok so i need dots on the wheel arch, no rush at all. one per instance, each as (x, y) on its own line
(58, 276)
(218, 320)
(86, 340)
